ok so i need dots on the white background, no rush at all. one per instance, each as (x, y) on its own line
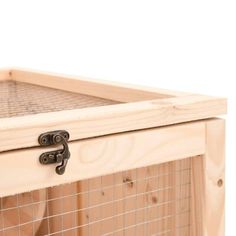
(180, 45)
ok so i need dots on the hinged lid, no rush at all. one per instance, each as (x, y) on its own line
(33, 103)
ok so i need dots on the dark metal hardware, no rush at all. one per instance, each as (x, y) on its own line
(59, 137)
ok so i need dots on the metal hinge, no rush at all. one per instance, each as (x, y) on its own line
(59, 137)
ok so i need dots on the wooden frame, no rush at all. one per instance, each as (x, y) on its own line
(208, 178)
(149, 107)
(168, 143)
(204, 139)
(157, 124)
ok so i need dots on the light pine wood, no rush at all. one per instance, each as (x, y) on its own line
(95, 212)
(214, 173)
(141, 201)
(21, 132)
(139, 112)
(181, 194)
(161, 129)
(83, 203)
(208, 182)
(120, 202)
(5, 74)
(99, 156)
(98, 88)
(198, 196)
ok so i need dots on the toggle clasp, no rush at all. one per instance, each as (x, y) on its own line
(52, 138)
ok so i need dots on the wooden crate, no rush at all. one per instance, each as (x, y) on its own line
(143, 161)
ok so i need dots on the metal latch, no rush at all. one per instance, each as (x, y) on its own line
(59, 137)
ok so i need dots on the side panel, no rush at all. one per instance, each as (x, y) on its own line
(146, 201)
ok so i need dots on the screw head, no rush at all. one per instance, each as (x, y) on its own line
(220, 182)
(43, 159)
(59, 157)
(66, 136)
(57, 138)
(44, 140)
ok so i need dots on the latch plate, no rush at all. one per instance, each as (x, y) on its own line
(59, 137)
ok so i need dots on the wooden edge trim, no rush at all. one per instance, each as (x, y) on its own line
(98, 88)
(214, 223)
(208, 183)
(21, 132)
(5, 74)
(21, 171)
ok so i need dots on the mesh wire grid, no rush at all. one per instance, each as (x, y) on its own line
(148, 201)
(20, 99)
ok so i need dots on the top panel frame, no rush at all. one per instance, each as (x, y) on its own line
(141, 108)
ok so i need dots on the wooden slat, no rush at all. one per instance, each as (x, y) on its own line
(99, 156)
(134, 202)
(139, 201)
(95, 213)
(19, 132)
(98, 88)
(83, 204)
(181, 179)
(198, 197)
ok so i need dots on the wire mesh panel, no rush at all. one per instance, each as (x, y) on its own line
(20, 99)
(153, 200)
